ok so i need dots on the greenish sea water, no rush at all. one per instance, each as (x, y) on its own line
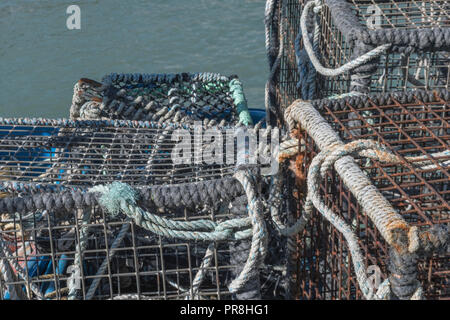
(40, 59)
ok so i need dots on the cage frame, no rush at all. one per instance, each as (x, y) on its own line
(220, 188)
(322, 272)
(340, 25)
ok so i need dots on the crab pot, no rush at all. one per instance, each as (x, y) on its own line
(418, 58)
(412, 124)
(209, 98)
(56, 234)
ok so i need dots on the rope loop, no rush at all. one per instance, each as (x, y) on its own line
(315, 61)
(121, 197)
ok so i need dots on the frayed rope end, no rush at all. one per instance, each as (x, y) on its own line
(113, 195)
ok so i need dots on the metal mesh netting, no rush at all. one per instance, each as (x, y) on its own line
(47, 166)
(402, 14)
(419, 69)
(416, 126)
(163, 98)
(403, 67)
(78, 154)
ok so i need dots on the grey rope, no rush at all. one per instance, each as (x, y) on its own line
(82, 245)
(111, 252)
(201, 273)
(8, 276)
(259, 238)
(342, 69)
(120, 197)
(274, 62)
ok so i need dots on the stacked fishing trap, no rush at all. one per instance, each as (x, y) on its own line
(362, 87)
(162, 186)
(98, 207)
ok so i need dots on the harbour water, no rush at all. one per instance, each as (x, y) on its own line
(41, 59)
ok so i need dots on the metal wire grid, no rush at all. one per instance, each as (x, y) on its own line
(80, 154)
(189, 99)
(286, 86)
(402, 14)
(417, 70)
(423, 70)
(77, 155)
(420, 195)
(143, 264)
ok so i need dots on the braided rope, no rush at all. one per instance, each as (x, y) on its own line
(315, 61)
(139, 97)
(8, 275)
(111, 252)
(332, 154)
(322, 163)
(120, 197)
(201, 273)
(307, 72)
(259, 239)
(237, 93)
(82, 245)
(379, 210)
(274, 205)
(274, 62)
(314, 175)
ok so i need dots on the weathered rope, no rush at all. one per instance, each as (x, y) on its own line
(322, 163)
(405, 40)
(405, 284)
(8, 276)
(111, 252)
(315, 61)
(315, 173)
(274, 61)
(185, 98)
(240, 102)
(188, 195)
(78, 260)
(120, 197)
(201, 273)
(274, 205)
(380, 211)
(306, 71)
(259, 238)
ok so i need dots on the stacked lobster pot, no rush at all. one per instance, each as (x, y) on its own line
(362, 91)
(145, 193)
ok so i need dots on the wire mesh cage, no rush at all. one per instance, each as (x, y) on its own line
(415, 57)
(61, 239)
(418, 58)
(163, 98)
(360, 190)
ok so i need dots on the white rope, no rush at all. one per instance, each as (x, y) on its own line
(342, 69)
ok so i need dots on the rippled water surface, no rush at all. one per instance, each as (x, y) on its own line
(40, 59)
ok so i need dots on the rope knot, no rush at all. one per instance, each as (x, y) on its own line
(115, 196)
